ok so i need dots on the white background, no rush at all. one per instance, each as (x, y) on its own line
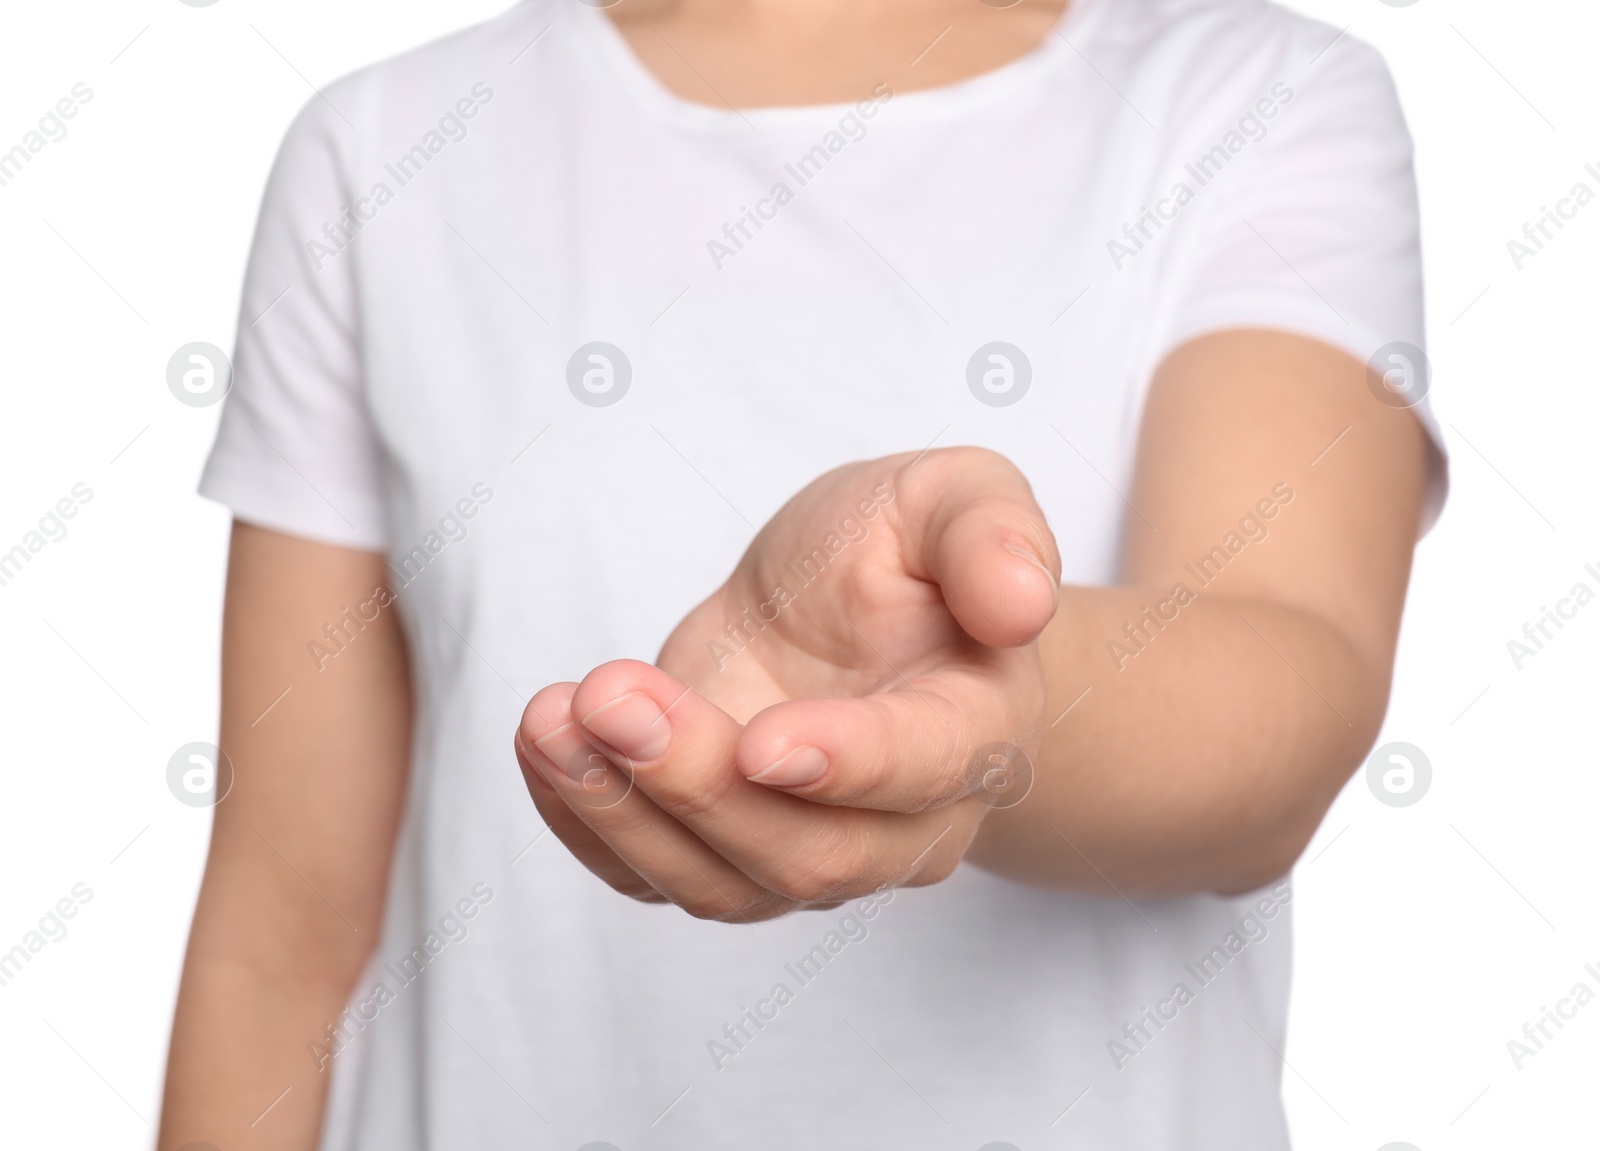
(1427, 935)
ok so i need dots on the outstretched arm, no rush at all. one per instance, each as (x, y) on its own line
(900, 620)
(1211, 743)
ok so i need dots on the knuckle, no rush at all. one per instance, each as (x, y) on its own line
(706, 910)
(934, 871)
(716, 907)
(691, 796)
(768, 905)
(861, 781)
(705, 905)
(940, 863)
(925, 768)
(964, 461)
(946, 784)
(834, 867)
(972, 457)
(625, 881)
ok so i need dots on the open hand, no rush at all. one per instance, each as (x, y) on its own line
(835, 719)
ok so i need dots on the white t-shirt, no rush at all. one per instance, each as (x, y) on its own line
(446, 236)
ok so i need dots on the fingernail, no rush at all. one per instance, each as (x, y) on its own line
(631, 724)
(801, 766)
(532, 769)
(1022, 551)
(575, 769)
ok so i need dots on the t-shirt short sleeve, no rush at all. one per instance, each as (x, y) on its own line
(1317, 233)
(296, 450)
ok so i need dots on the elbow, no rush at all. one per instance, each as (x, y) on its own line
(1266, 864)
(1276, 845)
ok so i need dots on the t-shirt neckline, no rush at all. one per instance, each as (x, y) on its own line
(1068, 35)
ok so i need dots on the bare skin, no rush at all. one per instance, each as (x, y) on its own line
(1204, 764)
(1209, 760)
(836, 752)
(761, 53)
(294, 885)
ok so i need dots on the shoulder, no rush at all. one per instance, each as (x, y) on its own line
(1201, 58)
(407, 94)
(1236, 29)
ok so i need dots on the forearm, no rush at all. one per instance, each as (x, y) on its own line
(1199, 755)
(249, 1065)
(295, 883)
(1212, 741)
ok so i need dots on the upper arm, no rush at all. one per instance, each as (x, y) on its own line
(1317, 233)
(1273, 447)
(318, 737)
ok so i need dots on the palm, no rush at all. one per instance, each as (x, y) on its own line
(824, 605)
(824, 644)
(851, 682)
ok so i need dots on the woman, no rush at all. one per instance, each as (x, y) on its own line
(962, 812)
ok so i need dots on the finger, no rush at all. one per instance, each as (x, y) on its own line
(681, 750)
(599, 794)
(982, 537)
(553, 705)
(930, 742)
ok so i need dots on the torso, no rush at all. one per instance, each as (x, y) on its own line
(601, 196)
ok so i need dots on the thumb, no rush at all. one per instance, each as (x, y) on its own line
(984, 540)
